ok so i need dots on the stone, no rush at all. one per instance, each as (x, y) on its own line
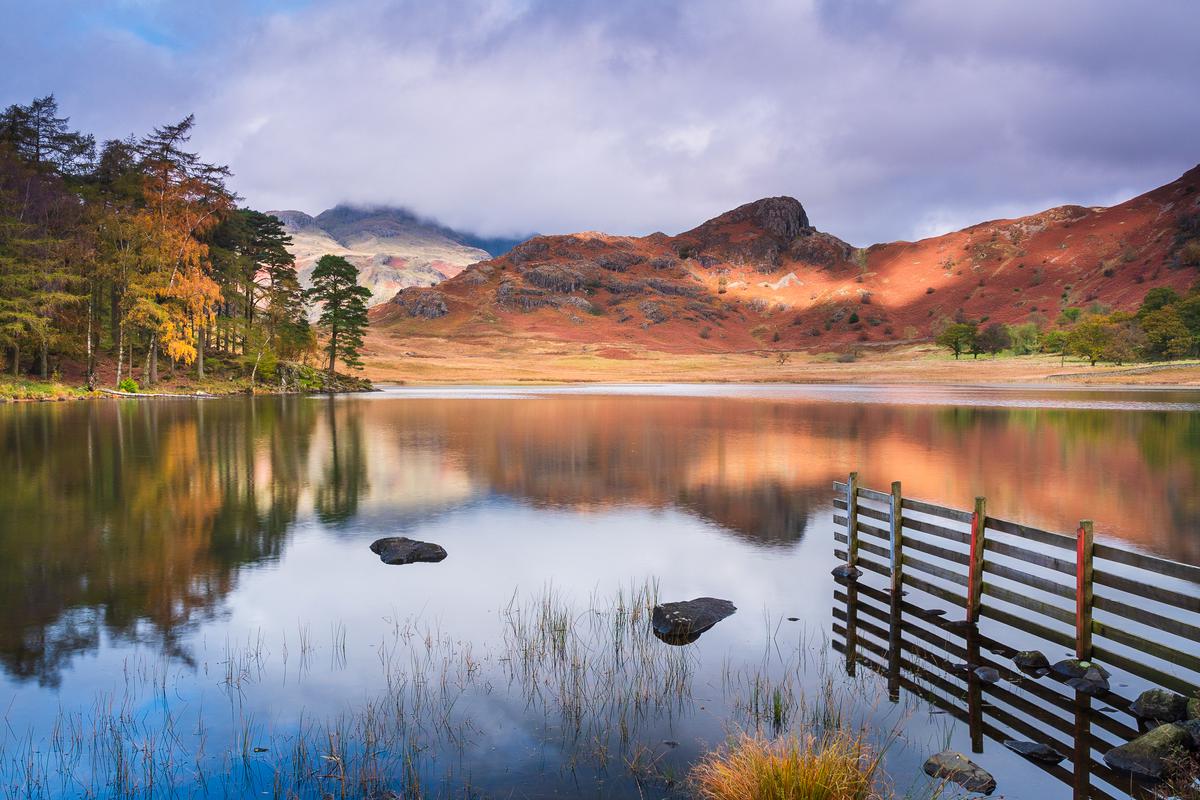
(957, 768)
(1193, 708)
(1034, 751)
(1031, 661)
(1192, 726)
(846, 572)
(1086, 677)
(1160, 705)
(402, 550)
(1149, 755)
(987, 674)
(682, 622)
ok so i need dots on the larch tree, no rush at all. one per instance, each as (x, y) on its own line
(343, 319)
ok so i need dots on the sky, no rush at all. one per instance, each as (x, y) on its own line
(887, 120)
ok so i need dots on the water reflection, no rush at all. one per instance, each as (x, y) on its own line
(133, 520)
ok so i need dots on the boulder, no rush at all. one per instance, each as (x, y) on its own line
(1193, 708)
(1192, 726)
(682, 622)
(846, 572)
(1160, 705)
(402, 550)
(1149, 755)
(1034, 751)
(957, 768)
(1032, 661)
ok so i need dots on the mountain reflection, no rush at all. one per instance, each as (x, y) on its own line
(133, 519)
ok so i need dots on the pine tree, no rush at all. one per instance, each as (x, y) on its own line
(344, 309)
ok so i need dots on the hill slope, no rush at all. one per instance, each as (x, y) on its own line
(761, 277)
(392, 248)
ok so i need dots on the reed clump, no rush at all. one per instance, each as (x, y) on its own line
(836, 766)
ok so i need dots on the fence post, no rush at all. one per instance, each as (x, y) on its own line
(852, 520)
(975, 576)
(1083, 591)
(897, 540)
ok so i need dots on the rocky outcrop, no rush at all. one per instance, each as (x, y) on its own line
(402, 550)
(425, 303)
(682, 622)
(957, 768)
(1151, 754)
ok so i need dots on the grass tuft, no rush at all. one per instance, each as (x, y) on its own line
(838, 766)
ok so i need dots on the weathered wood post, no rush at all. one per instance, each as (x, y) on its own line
(1083, 591)
(974, 691)
(851, 627)
(852, 520)
(975, 575)
(896, 539)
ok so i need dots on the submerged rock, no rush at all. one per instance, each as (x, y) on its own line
(1032, 661)
(1149, 755)
(846, 572)
(957, 768)
(987, 674)
(682, 622)
(1160, 705)
(1035, 751)
(402, 550)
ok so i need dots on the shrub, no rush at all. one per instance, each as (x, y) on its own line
(929, 290)
(836, 767)
(853, 317)
(705, 332)
(127, 385)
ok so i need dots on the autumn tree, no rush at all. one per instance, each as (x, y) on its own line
(343, 302)
(184, 198)
(1090, 339)
(958, 337)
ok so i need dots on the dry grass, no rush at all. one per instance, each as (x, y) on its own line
(838, 766)
(433, 360)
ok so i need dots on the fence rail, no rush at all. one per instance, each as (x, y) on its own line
(1108, 603)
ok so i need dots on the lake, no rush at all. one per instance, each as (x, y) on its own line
(189, 604)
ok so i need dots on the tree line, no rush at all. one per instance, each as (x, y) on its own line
(134, 254)
(1165, 326)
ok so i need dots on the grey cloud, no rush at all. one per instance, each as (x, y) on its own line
(887, 120)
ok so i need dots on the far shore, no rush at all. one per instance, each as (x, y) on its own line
(432, 362)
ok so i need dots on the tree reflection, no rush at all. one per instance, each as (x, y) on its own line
(132, 518)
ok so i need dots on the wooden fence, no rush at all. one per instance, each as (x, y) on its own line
(920, 651)
(1137, 613)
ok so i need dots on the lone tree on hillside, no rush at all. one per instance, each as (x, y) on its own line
(343, 309)
(958, 336)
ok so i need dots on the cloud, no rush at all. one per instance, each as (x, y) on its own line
(886, 119)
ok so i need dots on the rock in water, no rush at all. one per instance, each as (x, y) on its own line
(987, 674)
(1192, 726)
(1035, 751)
(846, 572)
(1150, 754)
(1160, 705)
(402, 550)
(684, 621)
(1031, 661)
(1087, 677)
(957, 768)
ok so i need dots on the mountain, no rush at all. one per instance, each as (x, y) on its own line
(392, 247)
(761, 277)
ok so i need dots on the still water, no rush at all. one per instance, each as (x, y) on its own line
(189, 605)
